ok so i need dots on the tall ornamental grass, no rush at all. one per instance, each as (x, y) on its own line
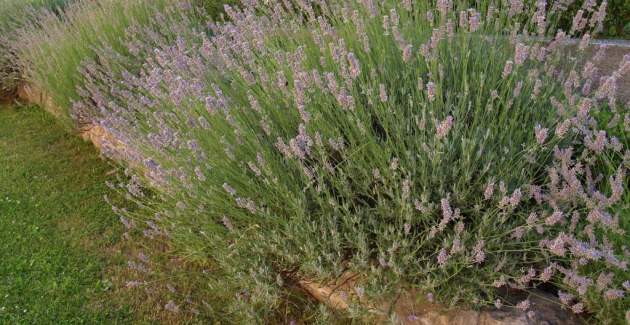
(14, 14)
(453, 148)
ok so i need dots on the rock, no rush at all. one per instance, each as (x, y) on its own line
(103, 140)
(411, 308)
(32, 95)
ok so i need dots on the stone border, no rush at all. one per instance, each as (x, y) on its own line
(99, 136)
(411, 307)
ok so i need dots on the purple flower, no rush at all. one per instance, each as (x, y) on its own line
(442, 257)
(128, 224)
(283, 148)
(616, 185)
(578, 308)
(474, 19)
(337, 144)
(547, 273)
(541, 134)
(579, 22)
(246, 204)
(430, 91)
(586, 39)
(199, 173)
(507, 69)
(523, 305)
(515, 199)
(565, 298)
(562, 128)
(406, 188)
(229, 189)
(447, 212)
(527, 278)
(489, 191)
(604, 280)
(252, 166)
(499, 282)
(444, 6)
(463, 19)
(355, 68)
(172, 307)
(554, 218)
(613, 294)
(598, 143)
(478, 254)
(444, 128)
(518, 232)
(557, 246)
(521, 53)
(301, 144)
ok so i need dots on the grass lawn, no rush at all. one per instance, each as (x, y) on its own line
(55, 227)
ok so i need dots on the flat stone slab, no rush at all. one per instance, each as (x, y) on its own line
(412, 307)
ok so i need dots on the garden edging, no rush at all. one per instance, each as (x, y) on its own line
(411, 307)
(96, 134)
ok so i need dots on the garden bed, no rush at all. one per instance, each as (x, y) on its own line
(369, 150)
(410, 307)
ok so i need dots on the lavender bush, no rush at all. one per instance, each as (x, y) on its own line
(14, 14)
(451, 148)
(49, 50)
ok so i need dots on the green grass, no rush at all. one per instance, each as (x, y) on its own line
(63, 259)
(54, 225)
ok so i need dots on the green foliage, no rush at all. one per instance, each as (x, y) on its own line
(617, 23)
(14, 14)
(51, 50)
(214, 8)
(14, 11)
(265, 175)
(291, 145)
